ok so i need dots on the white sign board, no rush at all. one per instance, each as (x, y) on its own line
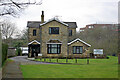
(98, 51)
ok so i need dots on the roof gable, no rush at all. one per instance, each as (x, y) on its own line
(54, 19)
(77, 39)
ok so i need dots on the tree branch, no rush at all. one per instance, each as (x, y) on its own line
(14, 6)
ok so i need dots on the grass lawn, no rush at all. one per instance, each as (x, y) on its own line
(98, 68)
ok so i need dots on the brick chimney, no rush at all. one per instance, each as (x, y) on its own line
(42, 17)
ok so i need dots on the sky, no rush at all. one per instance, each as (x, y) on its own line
(83, 12)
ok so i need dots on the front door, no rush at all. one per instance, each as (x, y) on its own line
(35, 50)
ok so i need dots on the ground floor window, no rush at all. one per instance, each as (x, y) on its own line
(77, 49)
(54, 48)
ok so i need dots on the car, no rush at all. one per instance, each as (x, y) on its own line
(24, 50)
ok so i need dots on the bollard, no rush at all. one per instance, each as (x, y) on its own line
(119, 58)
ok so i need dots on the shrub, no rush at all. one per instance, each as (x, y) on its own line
(18, 52)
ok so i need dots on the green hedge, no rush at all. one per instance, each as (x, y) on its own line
(4, 52)
(19, 52)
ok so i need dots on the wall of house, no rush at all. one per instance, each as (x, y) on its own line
(62, 36)
(85, 49)
(73, 33)
(30, 33)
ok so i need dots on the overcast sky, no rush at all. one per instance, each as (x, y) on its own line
(81, 11)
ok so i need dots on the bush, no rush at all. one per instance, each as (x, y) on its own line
(4, 52)
(18, 52)
(107, 57)
(114, 54)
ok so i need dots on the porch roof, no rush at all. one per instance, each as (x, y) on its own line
(33, 42)
(77, 39)
(54, 42)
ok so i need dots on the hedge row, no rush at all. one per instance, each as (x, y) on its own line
(4, 52)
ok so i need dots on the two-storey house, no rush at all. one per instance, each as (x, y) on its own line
(51, 39)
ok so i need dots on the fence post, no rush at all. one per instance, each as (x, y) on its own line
(66, 60)
(87, 61)
(50, 59)
(44, 60)
(75, 60)
(41, 59)
(57, 60)
(119, 58)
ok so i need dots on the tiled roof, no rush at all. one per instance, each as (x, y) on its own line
(33, 24)
(53, 41)
(36, 24)
(71, 24)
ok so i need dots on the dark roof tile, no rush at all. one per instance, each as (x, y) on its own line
(36, 24)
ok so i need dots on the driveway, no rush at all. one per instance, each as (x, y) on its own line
(24, 60)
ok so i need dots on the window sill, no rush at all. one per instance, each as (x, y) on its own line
(77, 53)
(53, 53)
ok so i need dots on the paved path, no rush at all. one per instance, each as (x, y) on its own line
(12, 70)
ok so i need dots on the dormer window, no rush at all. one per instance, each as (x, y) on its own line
(34, 32)
(53, 30)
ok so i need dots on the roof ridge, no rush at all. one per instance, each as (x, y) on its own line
(56, 19)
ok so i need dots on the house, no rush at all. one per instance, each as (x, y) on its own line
(52, 39)
(91, 26)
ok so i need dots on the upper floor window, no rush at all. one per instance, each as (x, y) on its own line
(34, 32)
(53, 30)
(70, 32)
(77, 49)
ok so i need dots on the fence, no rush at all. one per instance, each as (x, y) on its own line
(57, 60)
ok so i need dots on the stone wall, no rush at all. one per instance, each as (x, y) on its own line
(73, 31)
(30, 33)
(62, 36)
(73, 34)
(77, 43)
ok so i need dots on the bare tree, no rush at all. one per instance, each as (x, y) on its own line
(14, 7)
(25, 34)
(105, 38)
(8, 29)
